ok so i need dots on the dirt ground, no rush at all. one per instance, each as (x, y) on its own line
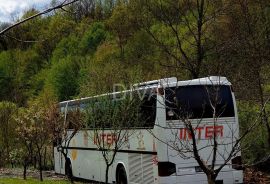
(18, 173)
(251, 176)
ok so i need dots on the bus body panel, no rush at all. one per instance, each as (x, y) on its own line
(137, 155)
(58, 161)
(227, 132)
(204, 143)
(227, 176)
(145, 148)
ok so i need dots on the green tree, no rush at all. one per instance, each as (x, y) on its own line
(123, 24)
(25, 134)
(182, 30)
(66, 47)
(248, 53)
(34, 131)
(248, 112)
(63, 78)
(55, 29)
(92, 38)
(7, 126)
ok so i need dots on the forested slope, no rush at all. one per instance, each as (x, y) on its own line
(91, 45)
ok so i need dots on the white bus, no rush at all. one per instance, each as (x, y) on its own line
(151, 155)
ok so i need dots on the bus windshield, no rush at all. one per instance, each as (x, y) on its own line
(198, 101)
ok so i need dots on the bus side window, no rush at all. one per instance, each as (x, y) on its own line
(100, 109)
(73, 117)
(148, 111)
(172, 110)
(70, 119)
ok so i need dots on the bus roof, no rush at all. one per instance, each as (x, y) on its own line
(79, 101)
(166, 82)
(211, 80)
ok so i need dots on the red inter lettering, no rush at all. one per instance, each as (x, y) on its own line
(186, 134)
(181, 133)
(189, 133)
(95, 138)
(199, 129)
(219, 131)
(209, 131)
(109, 139)
(102, 136)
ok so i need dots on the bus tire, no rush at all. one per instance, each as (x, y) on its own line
(121, 176)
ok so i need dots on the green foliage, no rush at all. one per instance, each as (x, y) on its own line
(249, 113)
(53, 30)
(122, 22)
(7, 125)
(93, 37)
(101, 67)
(34, 132)
(140, 47)
(105, 112)
(7, 71)
(15, 156)
(16, 70)
(63, 78)
(66, 47)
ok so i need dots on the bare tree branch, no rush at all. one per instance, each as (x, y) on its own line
(60, 6)
(24, 41)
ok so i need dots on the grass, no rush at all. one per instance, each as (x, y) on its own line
(30, 181)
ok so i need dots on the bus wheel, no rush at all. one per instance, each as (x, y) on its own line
(121, 176)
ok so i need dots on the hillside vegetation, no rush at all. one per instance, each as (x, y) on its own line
(91, 45)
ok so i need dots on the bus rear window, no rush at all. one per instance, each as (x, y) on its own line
(197, 102)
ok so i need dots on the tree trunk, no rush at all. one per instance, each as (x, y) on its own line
(40, 166)
(44, 158)
(40, 173)
(107, 173)
(24, 169)
(211, 179)
(69, 174)
(34, 161)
